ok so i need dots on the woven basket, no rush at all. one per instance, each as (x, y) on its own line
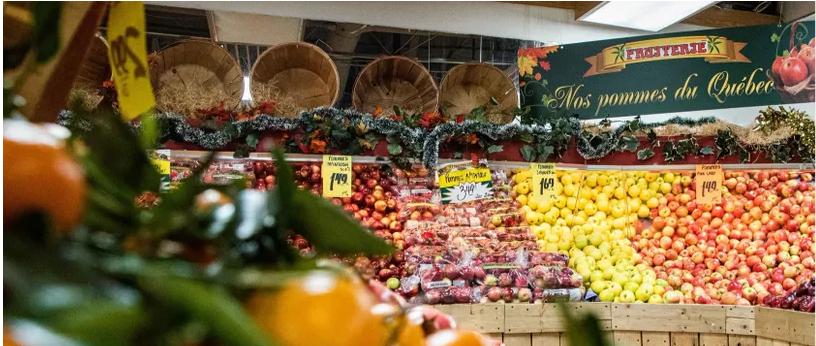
(395, 81)
(95, 68)
(301, 72)
(469, 86)
(198, 64)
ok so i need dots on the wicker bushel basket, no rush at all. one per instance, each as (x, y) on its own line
(205, 72)
(95, 68)
(395, 81)
(469, 86)
(296, 75)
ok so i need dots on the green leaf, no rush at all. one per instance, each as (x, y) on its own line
(210, 304)
(526, 138)
(497, 148)
(148, 131)
(397, 110)
(252, 140)
(645, 154)
(99, 322)
(775, 37)
(707, 150)
(629, 143)
(528, 153)
(46, 30)
(330, 229)
(394, 149)
(285, 189)
(544, 152)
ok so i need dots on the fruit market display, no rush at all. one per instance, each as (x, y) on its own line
(624, 236)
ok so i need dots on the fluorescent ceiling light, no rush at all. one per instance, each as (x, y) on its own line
(247, 96)
(643, 15)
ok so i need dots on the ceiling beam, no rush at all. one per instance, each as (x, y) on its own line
(713, 16)
(716, 17)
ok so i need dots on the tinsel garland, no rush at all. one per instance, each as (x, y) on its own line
(442, 132)
(611, 140)
(416, 142)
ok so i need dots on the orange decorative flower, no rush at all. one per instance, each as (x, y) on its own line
(377, 111)
(537, 76)
(317, 146)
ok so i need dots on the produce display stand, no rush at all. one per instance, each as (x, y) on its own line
(641, 324)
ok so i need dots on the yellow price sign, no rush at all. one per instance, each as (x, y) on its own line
(708, 181)
(162, 166)
(337, 177)
(128, 58)
(543, 180)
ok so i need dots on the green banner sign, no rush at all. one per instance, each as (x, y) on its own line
(697, 70)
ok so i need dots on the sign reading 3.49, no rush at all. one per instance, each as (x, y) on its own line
(707, 182)
(128, 58)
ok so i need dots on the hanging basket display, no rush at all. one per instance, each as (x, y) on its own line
(469, 86)
(190, 77)
(395, 81)
(295, 77)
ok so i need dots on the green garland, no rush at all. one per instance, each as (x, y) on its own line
(351, 132)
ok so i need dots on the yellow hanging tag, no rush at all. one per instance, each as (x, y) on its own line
(128, 58)
(708, 180)
(543, 186)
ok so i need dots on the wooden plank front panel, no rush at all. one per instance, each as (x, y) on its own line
(669, 318)
(760, 341)
(546, 339)
(517, 339)
(685, 339)
(655, 338)
(740, 326)
(627, 338)
(741, 340)
(551, 320)
(523, 318)
(784, 325)
(487, 318)
(713, 339)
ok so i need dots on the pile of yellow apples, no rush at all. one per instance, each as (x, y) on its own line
(592, 218)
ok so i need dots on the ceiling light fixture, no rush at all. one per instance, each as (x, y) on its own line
(643, 15)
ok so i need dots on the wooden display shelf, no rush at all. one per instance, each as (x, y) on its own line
(641, 324)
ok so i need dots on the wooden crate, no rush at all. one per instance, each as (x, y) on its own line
(641, 324)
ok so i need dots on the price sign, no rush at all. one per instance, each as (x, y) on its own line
(161, 162)
(336, 176)
(707, 181)
(128, 58)
(543, 180)
(461, 182)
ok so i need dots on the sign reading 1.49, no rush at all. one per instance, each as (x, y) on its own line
(336, 174)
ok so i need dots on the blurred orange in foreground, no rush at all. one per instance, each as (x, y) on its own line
(457, 337)
(319, 309)
(40, 175)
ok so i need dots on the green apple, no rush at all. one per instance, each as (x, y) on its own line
(620, 278)
(392, 283)
(581, 241)
(614, 286)
(627, 296)
(655, 299)
(607, 295)
(661, 282)
(631, 286)
(596, 275)
(598, 286)
(643, 292)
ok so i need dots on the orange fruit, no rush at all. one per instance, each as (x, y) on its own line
(411, 333)
(457, 337)
(40, 175)
(319, 309)
(8, 340)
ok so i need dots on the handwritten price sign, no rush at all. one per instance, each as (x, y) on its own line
(128, 58)
(543, 180)
(337, 178)
(708, 180)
